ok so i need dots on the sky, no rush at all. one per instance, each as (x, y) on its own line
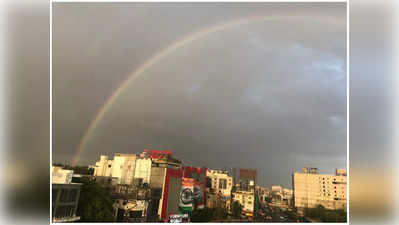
(268, 94)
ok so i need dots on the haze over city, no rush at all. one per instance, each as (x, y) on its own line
(268, 93)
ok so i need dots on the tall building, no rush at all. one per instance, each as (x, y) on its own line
(311, 189)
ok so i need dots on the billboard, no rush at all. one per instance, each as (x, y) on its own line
(186, 195)
(199, 177)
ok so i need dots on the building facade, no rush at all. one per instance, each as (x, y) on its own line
(247, 199)
(311, 189)
(65, 196)
(219, 189)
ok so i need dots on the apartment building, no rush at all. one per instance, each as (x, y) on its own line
(247, 199)
(220, 184)
(311, 189)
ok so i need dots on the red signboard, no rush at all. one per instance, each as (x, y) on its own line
(156, 154)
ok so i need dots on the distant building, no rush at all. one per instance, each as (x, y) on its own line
(263, 193)
(65, 196)
(244, 189)
(221, 182)
(247, 199)
(276, 188)
(311, 189)
(247, 178)
(219, 189)
(103, 167)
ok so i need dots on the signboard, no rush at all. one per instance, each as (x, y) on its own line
(178, 218)
(186, 195)
(157, 154)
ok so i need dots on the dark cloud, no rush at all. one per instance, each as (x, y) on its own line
(268, 95)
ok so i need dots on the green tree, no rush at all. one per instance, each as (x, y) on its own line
(236, 209)
(326, 215)
(95, 204)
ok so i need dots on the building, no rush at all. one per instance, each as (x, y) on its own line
(311, 189)
(103, 167)
(60, 175)
(121, 167)
(128, 174)
(281, 197)
(277, 188)
(65, 196)
(143, 170)
(243, 176)
(219, 189)
(199, 180)
(263, 193)
(130, 210)
(247, 199)
(247, 176)
(287, 197)
(165, 183)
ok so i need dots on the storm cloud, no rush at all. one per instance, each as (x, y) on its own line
(269, 95)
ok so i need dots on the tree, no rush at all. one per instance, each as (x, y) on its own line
(220, 213)
(202, 215)
(95, 204)
(236, 209)
(326, 215)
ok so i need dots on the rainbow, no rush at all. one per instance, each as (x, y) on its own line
(164, 53)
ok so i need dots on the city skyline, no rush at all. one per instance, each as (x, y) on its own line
(268, 93)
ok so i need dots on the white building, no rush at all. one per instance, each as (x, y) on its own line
(221, 186)
(143, 169)
(221, 182)
(312, 189)
(61, 176)
(246, 199)
(103, 167)
(122, 167)
(277, 188)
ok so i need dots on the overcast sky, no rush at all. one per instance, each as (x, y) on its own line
(269, 95)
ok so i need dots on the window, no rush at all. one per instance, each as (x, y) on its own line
(73, 194)
(64, 195)
(222, 184)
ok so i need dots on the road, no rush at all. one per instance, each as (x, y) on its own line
(276, 215)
